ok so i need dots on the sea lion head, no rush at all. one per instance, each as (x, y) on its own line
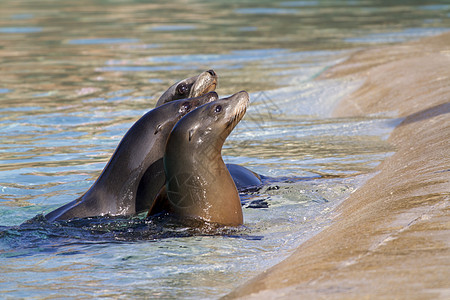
(190, 87)
(181, 107)
(210, 124)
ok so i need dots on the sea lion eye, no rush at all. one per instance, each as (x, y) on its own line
(187, 105)
(182, 89)
(218, 108)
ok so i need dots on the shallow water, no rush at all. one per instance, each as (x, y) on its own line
(75, 75)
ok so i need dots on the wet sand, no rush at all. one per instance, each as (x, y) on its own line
(391, 237)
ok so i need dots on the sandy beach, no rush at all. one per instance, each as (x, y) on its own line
(391, 237)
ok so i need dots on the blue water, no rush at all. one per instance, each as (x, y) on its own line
(77, 74)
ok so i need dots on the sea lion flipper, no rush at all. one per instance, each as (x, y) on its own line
(243, 177)
(160, 203)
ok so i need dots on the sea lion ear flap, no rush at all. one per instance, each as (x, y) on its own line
(191, 133)
(158, 128)
(160, 203)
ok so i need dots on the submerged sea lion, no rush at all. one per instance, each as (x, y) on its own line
(190, 87)
(142, 147)
(198, 184)
(244, 178)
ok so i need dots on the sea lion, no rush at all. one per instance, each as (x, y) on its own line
(198, 183)
(244, 178)
(190, 87)
(206, 81)
(142, 148)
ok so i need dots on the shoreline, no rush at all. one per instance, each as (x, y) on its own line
(391, 237)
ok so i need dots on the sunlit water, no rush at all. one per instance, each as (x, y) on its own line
(75, 75)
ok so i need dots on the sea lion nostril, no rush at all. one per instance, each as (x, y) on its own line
(212, 72)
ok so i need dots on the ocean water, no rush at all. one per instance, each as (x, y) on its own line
(75, 75)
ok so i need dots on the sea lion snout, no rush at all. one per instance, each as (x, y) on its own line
(241, 96)
(212, 96)
(190, 87)
(204, 83)
(237, 107)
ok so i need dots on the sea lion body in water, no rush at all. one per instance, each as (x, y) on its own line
(142, 147)
(198, 183)
(244, 178)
